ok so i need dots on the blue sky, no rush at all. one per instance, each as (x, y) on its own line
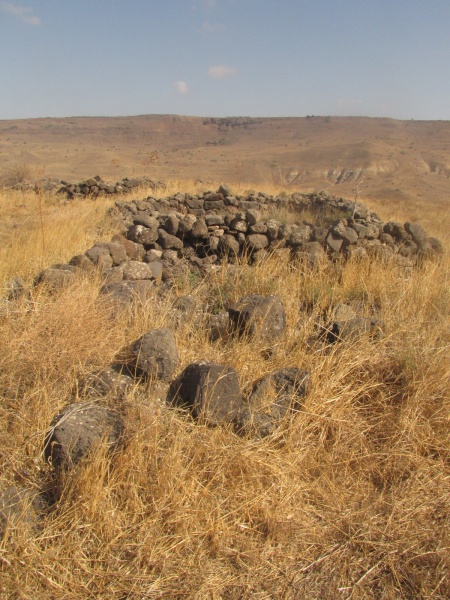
(225, 57)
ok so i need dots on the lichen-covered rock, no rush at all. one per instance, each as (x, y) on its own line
(257, 241)
(299, 235)
(143, 235)
(109, 380)
(135, 270)
(80, 429)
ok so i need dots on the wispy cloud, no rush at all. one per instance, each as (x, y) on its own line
(181, 87)
(209, 27)
(23, 13)
(221, 71)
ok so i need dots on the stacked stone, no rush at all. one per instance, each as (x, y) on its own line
(96, 186)
(165, 238)
(215, 224)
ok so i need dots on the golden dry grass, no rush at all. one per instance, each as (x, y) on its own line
(348, 499)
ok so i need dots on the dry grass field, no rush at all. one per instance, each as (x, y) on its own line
(348, 499)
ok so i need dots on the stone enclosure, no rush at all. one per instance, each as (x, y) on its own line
(161, 239)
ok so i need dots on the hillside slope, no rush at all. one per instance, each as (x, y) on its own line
(396, 160)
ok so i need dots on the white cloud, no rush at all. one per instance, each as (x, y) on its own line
(25, 14)
(181, 87)
(221, 71)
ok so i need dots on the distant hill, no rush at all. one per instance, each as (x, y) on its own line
(391, 159)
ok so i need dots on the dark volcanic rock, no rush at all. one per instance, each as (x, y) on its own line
(272, 398)
(416, 231)
(21, 506)
(78, 430)
(210, 391)
(261, 317)
(108, 381)
(125, 292)
(228, 245)
(155, 355)
(354, 328)
(57, 277)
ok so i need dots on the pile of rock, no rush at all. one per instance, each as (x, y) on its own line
(217, 224)
(96, 186)
(165, 238)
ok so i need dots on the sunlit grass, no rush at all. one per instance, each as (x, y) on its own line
(348, 499)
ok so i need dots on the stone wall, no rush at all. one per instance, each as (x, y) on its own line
(164, 237)
(94, 186)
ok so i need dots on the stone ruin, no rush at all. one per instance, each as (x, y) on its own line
(92, 187)
(164, 238)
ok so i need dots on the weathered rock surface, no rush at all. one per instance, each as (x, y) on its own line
(22, 507)
(272, 398)
(351, 329)
(260, 317)
(123, 293)
(154, 355)
(210, 391)
(109, 380)
(78, 430)
(57, 277)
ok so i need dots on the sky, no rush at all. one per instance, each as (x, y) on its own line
(218, 58)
